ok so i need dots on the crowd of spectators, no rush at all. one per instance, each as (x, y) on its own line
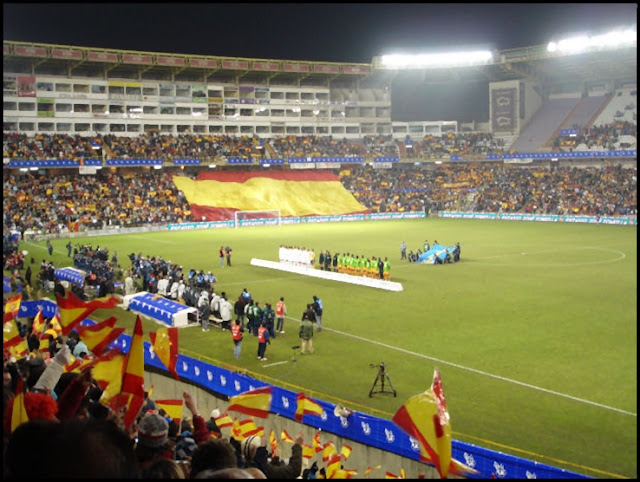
(66, 203)
(601, 137)
(497, 187)
(310, 146)
(460, 144)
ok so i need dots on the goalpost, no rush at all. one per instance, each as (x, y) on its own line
(265, 217)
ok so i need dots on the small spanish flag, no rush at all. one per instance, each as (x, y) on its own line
(97, 337)
(316, 442)
(334, 463)
(256, 403)
(274, 442)
(285, 437)
(12, 307)
(345, 451)
(308, 451)
(165, 345)
(38, 324)
(18, 411)
(73, 310)
(389, 475)
(224, 420)
(306, 406)
(133, 378)
(173, 407)
(328, 451)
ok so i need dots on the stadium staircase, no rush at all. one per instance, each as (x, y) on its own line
(564, 123)
(270, 151)
(108, 152)
(402, 149)
(601, 109)
(38, 150)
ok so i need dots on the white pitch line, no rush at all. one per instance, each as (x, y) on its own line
(41, 247)
(276, 363)
(479, 372)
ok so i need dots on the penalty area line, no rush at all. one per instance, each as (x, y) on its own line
(276, 363)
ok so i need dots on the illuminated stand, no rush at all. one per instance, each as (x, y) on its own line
(330, 275)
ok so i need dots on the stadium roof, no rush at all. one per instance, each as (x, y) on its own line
(534, 63)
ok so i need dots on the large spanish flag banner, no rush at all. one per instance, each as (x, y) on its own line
(217, 195)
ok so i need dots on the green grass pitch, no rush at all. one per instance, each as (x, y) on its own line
(534, 331)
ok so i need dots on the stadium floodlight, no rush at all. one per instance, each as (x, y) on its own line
(157, 166)
(447, 59)
(584, 43)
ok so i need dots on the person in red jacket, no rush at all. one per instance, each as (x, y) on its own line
(236, 335)
(263, 339)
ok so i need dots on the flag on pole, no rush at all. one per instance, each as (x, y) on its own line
(248, 427)
(132, 393)
(55, 321)
(256, 403)
(285, 437)
(99, 336)
(403, 475)
(12, 307)
(389, 475)
(73, 310)
(165, 345)
(235, 430)
(18, 410)
(223, 420)
(306, 406)
(425, 418)
(173, 407)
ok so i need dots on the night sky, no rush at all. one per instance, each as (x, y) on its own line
(333, 32)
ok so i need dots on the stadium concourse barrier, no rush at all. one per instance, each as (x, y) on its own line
(318, 273)
(375, 441)
(550, 218)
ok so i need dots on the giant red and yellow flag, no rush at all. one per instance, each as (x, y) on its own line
(173, 407)
(73, 310)
(165, 345)
(306, 406)
(256, 403)
(97, 337)
(12, 307)
(425, 418)
(217, 195)
(133, 376)
(19, 410)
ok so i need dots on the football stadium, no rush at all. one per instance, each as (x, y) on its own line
(247, 267)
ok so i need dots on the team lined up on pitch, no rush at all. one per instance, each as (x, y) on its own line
(346, 263)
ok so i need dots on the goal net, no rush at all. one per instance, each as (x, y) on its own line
(267, 217)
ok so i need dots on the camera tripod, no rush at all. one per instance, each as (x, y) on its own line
(381, 377)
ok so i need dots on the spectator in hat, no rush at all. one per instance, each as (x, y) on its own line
(211, 424)
(153, 440)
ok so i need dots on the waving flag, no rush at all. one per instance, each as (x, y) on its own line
(217, 195)
(173, 407)
(256, 403)
(165, 345)
(12, 341)
(248, 428)
(285, 437)
(38, 324)
(223, 420)
(308, 451)
(107, 371)
(73, 310)
(235, 430)
(343, 474)
(12, 307)
(132, 393)
(55, 321)
(425, 418)
(334, 463)
(390, 475)
(97, 337)
(328, 451)
(316, 442)
(345, 451)
(306, 406)
(19, 410)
